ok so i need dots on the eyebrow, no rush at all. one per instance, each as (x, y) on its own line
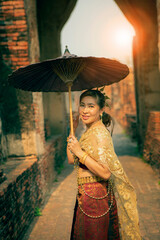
(87, 103)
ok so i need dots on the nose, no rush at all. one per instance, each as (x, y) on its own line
(85, 109)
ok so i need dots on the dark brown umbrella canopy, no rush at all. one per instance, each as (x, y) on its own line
(87, 72)
(60, 74)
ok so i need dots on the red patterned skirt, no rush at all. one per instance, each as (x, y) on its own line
(85, 224)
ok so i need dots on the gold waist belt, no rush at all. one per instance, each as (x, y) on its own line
(89, 179)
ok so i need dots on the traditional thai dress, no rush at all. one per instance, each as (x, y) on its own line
(104, 210)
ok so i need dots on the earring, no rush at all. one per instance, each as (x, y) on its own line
(101, 115)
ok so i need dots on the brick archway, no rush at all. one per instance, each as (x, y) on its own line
(144, 15)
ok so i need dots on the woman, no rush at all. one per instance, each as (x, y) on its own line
(102, 183)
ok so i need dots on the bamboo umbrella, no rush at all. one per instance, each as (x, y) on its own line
(67, 73)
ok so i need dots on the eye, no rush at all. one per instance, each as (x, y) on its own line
(81, 105)
(91, 106)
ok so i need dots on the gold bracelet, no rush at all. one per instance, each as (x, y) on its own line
(83, 158)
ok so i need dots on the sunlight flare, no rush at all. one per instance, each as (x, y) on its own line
(123, 37)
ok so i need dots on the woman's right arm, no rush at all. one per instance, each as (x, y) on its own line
(70, 156)
(75, 125)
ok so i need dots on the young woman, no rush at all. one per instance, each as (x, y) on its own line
(106, 201)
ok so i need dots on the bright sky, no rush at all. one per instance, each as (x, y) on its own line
(98, 28)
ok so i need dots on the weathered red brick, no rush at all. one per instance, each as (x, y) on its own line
(18, 47)
(22, 43)
(22, 54)
(20, 22)
(19, 2)
(22, 26)
(14, 34)
(3, 35)
(8, 12)
(12, 43)
(4, 43)
(23, 63)
(8, 3)
(20, 5)
(152, 139)
(14, 38)
(14, 59)
(3, 27)
(14, 4)
(18, 13)
(9, 7)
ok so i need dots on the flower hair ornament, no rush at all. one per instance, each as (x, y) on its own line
(106, 97)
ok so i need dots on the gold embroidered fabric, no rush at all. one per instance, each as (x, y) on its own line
(97, 142)
(89, 179)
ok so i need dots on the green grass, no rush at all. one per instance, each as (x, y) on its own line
(37, 212)
(55, 180)
(59, 169)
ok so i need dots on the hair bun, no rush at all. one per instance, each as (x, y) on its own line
(107, 120)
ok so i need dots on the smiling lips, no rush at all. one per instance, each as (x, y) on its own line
(85, 117)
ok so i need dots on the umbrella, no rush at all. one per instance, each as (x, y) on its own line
(66, 72)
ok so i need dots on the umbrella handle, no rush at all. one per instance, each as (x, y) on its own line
(70, 109)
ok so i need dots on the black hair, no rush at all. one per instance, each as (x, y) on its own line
(99, 96)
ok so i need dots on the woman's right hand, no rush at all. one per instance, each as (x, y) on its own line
(74, 146)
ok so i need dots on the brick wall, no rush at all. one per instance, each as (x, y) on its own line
(28, 181)
(19, 195)
(123, 109)
(151, 150)
(13, 33)
(158, 19)
(123, 104)
(14, 53)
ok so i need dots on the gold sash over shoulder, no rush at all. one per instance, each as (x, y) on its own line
(97, 142)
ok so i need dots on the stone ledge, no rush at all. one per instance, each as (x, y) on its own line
(15, 167)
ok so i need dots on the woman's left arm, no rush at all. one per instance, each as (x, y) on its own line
(95, 167)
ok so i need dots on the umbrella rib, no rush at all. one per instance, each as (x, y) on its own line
(44, 84)
(36, 83)
(26, 75)
(52, 81)
(69, 71)
(25, 82)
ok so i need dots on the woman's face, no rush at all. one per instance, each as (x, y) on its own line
(89, 110)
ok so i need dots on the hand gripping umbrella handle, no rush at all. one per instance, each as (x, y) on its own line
(70, 109)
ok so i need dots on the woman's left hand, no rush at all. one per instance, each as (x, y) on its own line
(74, 145)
